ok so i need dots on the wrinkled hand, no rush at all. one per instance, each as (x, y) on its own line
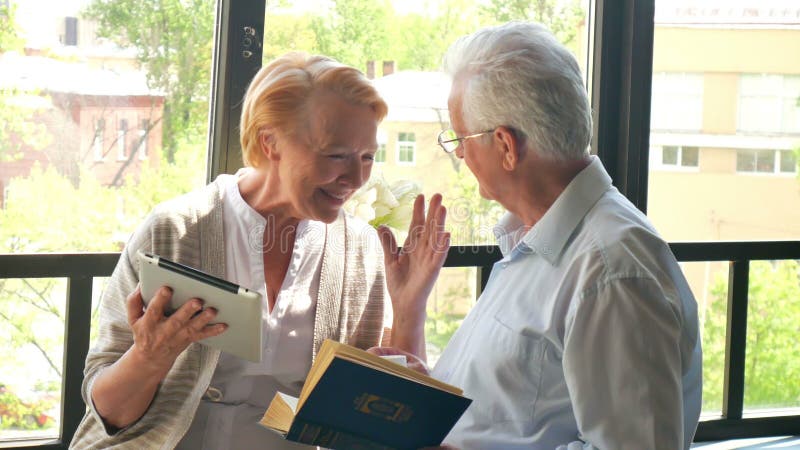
(412, 361)
(159, 339)
(412, 270)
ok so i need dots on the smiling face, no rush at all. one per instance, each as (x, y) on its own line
(325, 162)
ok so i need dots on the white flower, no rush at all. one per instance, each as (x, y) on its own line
(381, 204)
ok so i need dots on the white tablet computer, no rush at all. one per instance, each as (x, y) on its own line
(236, 306)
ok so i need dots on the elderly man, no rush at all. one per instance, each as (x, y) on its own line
(586, 335)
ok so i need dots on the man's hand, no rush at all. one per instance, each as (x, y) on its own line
(412, 361)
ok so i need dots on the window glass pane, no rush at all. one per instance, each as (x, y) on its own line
(748, 91)
(103, 114)
(380, 154)
(31, 353)
(773, 311)
(669, 155)
(738, 192)
(788, 161)
(677, 102)
(452, 298)
(400, 44)
(765, 161)
(746, 160)
(689, 157)
(709, 283)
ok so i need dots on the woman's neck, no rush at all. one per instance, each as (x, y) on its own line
(261, 191)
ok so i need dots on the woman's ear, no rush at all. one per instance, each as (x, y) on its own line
(510, 147)
(268, 145)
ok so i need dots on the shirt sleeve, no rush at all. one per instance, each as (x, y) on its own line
(622, 367)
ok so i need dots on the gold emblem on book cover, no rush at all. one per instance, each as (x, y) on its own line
(382, 407)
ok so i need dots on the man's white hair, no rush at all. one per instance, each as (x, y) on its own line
(518, 75)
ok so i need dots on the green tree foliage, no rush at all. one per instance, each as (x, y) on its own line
(173, 40)
(563, 18)
(9, 36)
(18, 414)
(288, 32)
(17, 107)
(354, 31)
(87, 216)
(771, 365)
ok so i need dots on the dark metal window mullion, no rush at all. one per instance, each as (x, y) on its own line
(621, 85)
(736, 339)
(238, 54)
(76, 346)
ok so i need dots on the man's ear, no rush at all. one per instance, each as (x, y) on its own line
(510, 147)
(268, 145)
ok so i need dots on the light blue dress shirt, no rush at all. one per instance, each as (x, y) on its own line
(586, 335)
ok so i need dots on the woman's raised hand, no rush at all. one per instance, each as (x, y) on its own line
(412, 271)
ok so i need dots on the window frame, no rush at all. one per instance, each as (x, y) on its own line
(776, 163)
(781, 97)
(122, 138)
(406, 145)
(141, 140)
(98, 143)
(380, 153)
(659, 164)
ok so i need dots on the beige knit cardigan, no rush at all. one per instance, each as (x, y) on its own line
(350, 308)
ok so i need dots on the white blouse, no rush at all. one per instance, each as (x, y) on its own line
(240, 390)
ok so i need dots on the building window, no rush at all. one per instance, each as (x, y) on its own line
(122, 136)
(769, 103)
(406, 148)
(142, 139)
(788, 162)
(679, 156)
(766, 161)
(380, 154)
(97, 143)
(677, 102)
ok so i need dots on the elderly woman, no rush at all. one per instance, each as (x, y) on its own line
(308, 134)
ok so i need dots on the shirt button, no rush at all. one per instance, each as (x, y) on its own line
(213, 394)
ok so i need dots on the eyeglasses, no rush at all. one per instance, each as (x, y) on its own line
(449, 140)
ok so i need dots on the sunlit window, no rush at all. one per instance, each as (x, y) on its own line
(677, 102)
(768, 103)
(766, 161)
(99, 135)
(103, 114)
(406, 147)
(676, 157)
(723, 164)
(380, 154)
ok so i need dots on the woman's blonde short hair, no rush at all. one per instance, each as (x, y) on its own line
(278, 95)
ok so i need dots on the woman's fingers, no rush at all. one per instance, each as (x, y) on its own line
(135, 305)
(154, 312)
(417, 226)
(389, 244)
(181, 318)
(200, 328)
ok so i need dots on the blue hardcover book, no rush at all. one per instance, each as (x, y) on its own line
(353, 399)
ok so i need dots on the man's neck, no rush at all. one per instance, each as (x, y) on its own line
(537, 185)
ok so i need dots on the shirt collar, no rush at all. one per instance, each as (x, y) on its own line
(550, 234)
